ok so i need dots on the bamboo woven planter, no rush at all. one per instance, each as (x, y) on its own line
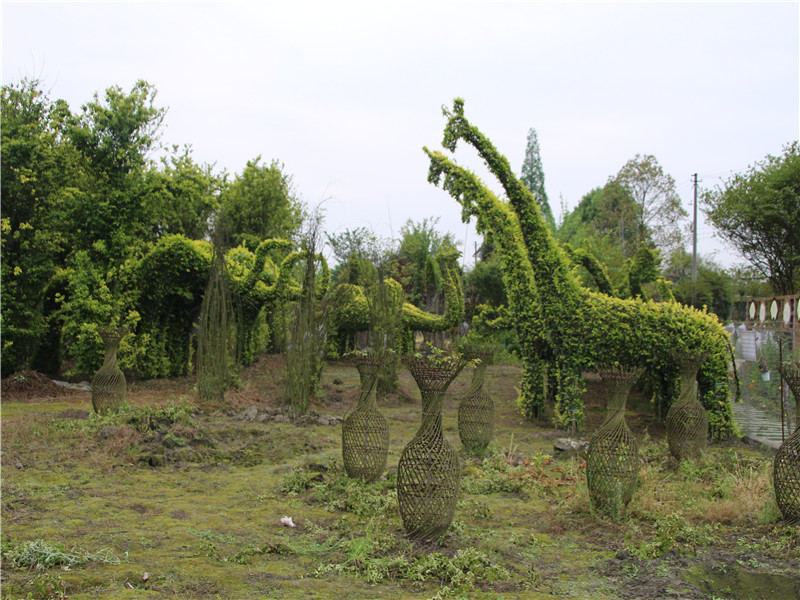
(476, 409)
(108, 385)
(786, 466)
(365, 434)
(612, 460)
(687, 421)
(428, 474)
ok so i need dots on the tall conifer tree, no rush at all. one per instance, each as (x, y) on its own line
(533, 177)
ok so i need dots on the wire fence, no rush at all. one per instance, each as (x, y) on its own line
(759, 352)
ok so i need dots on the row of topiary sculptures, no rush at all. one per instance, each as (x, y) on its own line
(566, 329)
(563, 329)
(428, 472)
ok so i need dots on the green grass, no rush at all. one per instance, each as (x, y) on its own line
(88, 516)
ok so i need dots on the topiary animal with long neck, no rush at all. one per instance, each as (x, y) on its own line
(581, 327)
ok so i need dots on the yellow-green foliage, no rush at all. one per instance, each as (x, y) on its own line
(171, 279)
(579, 327)
(254, 282)
(351, 310)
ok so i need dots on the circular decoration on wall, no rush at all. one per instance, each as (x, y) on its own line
(762, 312)
(787, 312)
(751, 310)
(797, 309)
(773, 309)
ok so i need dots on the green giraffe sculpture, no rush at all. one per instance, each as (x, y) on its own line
(580, 326)
(253, 278)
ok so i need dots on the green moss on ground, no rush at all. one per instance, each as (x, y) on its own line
(205, 522)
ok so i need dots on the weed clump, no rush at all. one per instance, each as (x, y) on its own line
(143, 419)
(334, 490)
(42, 555)
(458, 574)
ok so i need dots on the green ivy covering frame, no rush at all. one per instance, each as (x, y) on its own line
(561, 323)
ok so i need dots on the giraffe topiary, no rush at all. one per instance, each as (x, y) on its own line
(555, 312)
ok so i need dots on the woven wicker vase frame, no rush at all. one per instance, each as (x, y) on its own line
(786, 466)
(687, 421)
(612, 460)
(428, 474)
(108, 385)
(365, 434)
(476, 409)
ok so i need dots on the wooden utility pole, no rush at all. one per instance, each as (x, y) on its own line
(694, 245)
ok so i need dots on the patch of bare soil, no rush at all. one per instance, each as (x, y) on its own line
(30, 386)
(714, 574)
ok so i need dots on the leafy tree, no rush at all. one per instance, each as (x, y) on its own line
(715, 286)
(758, 213)
(97, 296)
(643, 269)
(358, 252)
(114, 136)
(533, 176)
(486, 284)
(748, 282)
(109, 222)
(416, 266)
(38, 173)
(658, 205)
(259, 204)
(603, 225)
(182, 196)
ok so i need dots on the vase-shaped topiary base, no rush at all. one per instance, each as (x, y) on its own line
(786, 466)
(786, 478)
(108, 385)
(428, 474)
(476, 421)
(612, 460)
(476, 409)
(365, 434)
(687, 421)
(428, 484)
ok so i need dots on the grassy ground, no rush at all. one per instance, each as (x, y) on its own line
(180, 499)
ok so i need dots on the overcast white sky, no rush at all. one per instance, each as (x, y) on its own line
(346, 93)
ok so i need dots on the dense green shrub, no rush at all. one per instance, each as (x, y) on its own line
(171, 279)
